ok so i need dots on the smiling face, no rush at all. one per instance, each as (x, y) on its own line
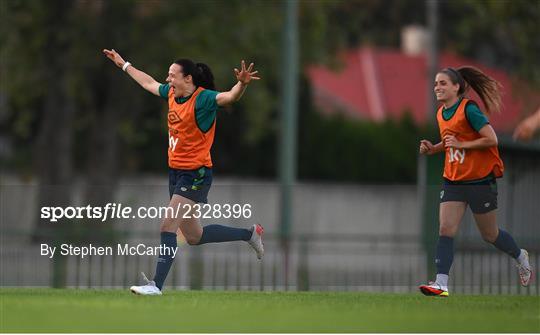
(445, 90)
(181, 85)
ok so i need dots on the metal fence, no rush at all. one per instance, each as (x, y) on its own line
(321, 263)
(355, 237)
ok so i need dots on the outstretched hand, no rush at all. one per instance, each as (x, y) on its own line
(115, 57)
(526, 128)
(245, 76)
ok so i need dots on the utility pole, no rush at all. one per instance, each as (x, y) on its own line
(287, 147)
(430, 167)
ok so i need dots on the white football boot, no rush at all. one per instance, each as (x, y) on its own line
(525, 270)
(149, 289)
(256, 240)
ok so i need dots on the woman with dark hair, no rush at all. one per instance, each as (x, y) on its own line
(471, 166)
(193, 104)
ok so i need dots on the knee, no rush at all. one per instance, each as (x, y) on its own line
(490, 237)
(192, 240)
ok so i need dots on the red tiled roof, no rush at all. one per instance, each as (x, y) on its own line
(377, 84)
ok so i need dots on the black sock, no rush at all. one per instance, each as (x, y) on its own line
(445, 254)
(506, 243)
(165, 258)
(217, 233)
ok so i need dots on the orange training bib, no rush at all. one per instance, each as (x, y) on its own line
(189, 147)
(467, 164)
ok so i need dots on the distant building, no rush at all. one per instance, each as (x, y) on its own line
(377, 84)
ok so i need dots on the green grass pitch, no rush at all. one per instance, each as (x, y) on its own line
(54, 310)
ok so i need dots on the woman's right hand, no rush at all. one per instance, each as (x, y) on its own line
(426, 147)
(115, 57)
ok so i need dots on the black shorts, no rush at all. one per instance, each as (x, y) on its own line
(481, 196)
(191, 184)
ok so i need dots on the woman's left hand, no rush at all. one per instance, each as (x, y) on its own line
(450, 141)
(245, 76)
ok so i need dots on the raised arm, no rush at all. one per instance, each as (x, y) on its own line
(244, 77)
(146, 81)
(526, 128)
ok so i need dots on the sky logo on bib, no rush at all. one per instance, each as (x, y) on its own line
(173, 141)
(456, 155)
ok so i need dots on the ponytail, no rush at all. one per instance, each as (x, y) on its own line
(201, 73)
(205, 77)
(487, 88)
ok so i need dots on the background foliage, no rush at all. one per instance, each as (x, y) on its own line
(63, 103)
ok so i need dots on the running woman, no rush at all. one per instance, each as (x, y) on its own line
(193, 104)
(471, 166)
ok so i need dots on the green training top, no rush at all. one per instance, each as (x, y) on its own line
(205, 106)
(476, 118)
